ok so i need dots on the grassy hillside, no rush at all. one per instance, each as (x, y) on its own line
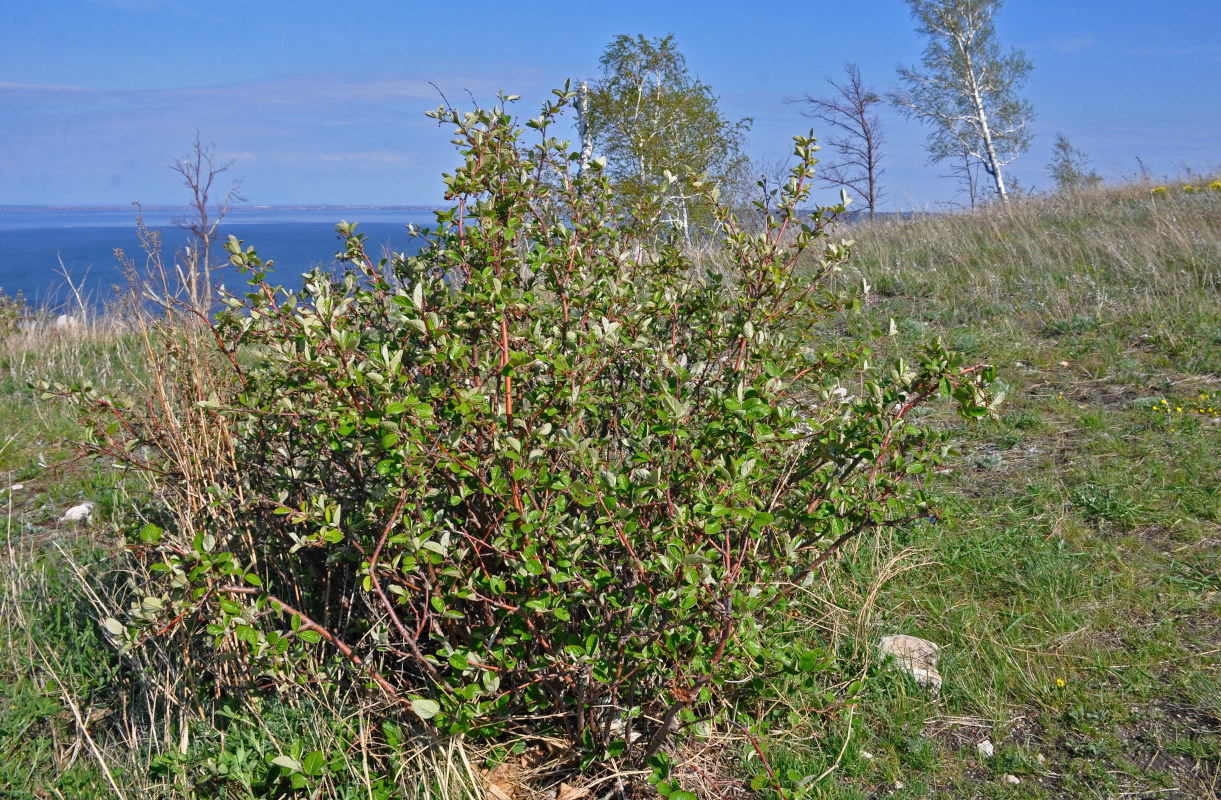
(1071, 580)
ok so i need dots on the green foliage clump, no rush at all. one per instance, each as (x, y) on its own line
(549, 472)
(1069, 166)
(12, 309)
(657, 124)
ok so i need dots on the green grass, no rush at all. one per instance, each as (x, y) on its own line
(1073, 580)
(60, 681)
(77, 720)
(1072, 576)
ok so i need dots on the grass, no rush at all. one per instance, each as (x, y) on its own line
(59, 679)
(77, 720)
(1071, 578)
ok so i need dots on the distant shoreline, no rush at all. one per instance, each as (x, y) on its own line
(235, 209)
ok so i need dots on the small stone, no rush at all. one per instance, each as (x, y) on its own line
(81, 513)
(1042, 759)
(16, 487)
(1012, 779)
(985, 748)
(917, 656)
(868, 756)
(898, 785)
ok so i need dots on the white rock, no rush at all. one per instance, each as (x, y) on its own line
(898, 785)
(81, 513)
(917, 656)
(16, 487)
(1042, 759)
(985, 748)
(868, 756)
(1012, 779)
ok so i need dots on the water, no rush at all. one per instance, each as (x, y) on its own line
(33, 241)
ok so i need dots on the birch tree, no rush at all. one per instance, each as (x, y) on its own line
(966, 88)
(854, 135)
(649, 116)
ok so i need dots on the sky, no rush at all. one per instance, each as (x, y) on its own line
(323, 103)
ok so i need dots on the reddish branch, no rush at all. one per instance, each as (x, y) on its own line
(310, 625)
(386, 604)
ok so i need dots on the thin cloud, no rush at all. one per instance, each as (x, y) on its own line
(338, 137)
(1077, 44)
(134, 5)
(35, 88)
(1173, 52)
(366, 158)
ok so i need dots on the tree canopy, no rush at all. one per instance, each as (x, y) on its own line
(649, 116)
(967, 89)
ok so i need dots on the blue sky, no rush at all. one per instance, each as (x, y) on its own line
(322, 102)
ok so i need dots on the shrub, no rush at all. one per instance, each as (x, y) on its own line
(12, 309)
(548, 473)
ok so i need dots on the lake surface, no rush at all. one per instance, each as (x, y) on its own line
(34, 241)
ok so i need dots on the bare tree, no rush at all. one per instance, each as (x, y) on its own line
(199, 171)
(967, 90)
(856, 136)
(754, 186)
(965, 170)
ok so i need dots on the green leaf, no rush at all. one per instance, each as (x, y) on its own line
(425, 709)
(809, 661)
(311, 636)
(313, 763)
(287, 762)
